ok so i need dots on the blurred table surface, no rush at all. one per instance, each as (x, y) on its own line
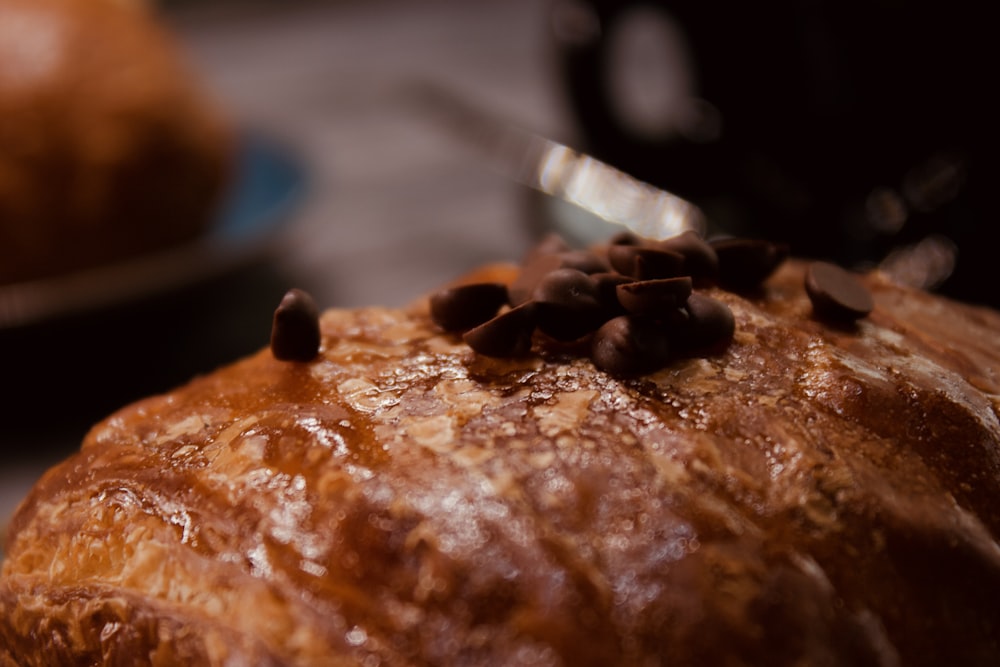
(394, 206)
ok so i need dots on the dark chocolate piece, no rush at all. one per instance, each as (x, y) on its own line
(607, 292)
(710, 325)
(701, 262)
(652, 298)
(462, 307)
(583, 260)
(745, 263)
(506, 335)
(567, 288)
(295, 334)
(550, 244)
(653, 264)
(621, 256)
(625, 237)
(568, 304)
(836, 293)
(645, 263)
(629, 346)
(535, 268)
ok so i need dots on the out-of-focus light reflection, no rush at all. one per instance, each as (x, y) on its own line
(934, 182)
(575, 23)
(924, 265)
(29, 47)
(612, 195)
(886, 212)
(650, 73)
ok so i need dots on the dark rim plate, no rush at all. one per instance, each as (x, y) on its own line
(268, 185)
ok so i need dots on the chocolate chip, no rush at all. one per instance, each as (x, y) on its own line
(536, 267)
(465, 306)
(506, 335)
(628, 346)
(710, 325)
(621, 256)
(583, 260)
(651, 264)
(625, 238)
(295, 334)
(550, 244)
(645, 263)
(701, 262)
(745, 263)
(568, 304)
(651, 298)
(566, 288)
(607, 292)
(836, 293)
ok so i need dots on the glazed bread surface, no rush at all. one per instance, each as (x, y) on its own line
(813, 494)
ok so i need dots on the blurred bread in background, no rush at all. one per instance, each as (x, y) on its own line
(108, 146)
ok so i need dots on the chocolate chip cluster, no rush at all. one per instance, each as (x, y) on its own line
(630, 305)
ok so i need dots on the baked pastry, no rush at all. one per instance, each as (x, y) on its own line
(109, 148)
(819, 486)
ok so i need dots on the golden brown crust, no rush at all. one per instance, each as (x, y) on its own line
(108, 148)
(811, 496)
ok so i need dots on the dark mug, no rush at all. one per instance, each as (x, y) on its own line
(849, 130)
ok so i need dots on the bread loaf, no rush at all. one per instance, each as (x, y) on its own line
(813, 493)
(109, 147)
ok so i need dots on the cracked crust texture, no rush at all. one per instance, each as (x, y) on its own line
(812, 495)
